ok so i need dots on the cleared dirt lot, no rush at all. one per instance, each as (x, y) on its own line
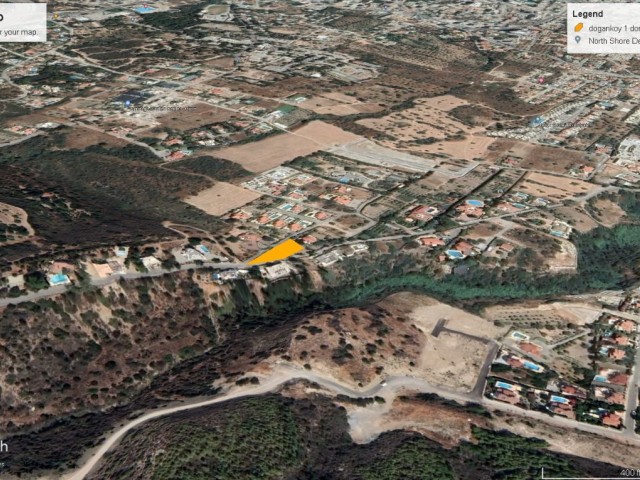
(607, 212)
(221, 198)
(539, 157)
(202, 115)
(326, 134)
(450, 359)
(276, 150)
(393, 337)
(430, 119)
(566, 260)
(550, 186)
(442, 424)
(339, 104)
(577, 217)
(80, 138)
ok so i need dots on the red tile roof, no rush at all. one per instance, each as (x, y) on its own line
(612, 420)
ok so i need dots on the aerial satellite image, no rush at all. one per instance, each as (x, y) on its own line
(319, 240)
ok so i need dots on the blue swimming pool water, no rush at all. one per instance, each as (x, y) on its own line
(532, 366)
(475, 203)
(59, 278)
(204, 249)
(557, 399)
(518, 335)
(599, 378)
(145, 9)
(506, 386)
(455, 254)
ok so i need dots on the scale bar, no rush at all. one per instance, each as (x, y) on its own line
(585, 478)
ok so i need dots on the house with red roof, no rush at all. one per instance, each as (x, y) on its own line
(626, 326)
(618, 378)
(612, 420)
(464, 247)
(620, 339)
(431, 242)
(421, 213)
(616, 354)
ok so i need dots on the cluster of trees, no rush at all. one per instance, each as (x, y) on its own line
(179, 19)
(515, 457)
(416, 459)
(218, 168)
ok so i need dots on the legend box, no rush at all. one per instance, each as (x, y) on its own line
(23, 22)
(603, 28)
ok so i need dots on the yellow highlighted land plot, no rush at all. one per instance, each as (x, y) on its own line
(279, 252)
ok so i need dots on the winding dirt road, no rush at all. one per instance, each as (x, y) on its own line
(389, 389)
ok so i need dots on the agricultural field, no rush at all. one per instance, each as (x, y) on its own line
(274, 151)
(221, 198)
(429, 128)
(335, 103)
(538, 157)
(553, 187)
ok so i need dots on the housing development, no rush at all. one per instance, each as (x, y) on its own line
(308, 239)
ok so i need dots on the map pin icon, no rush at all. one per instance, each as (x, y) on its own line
(578, 38)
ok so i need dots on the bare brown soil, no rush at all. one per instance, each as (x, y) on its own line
(608, 213)
(79, 138)
(222, 198)
(203, 115)
(539, 157)
(394, 338)
(276, 150)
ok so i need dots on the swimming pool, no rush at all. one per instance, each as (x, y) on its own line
(600, 378)
(58, 279)
(506, 386)
(475, 203)
(520, 336)
(454, 254)
(556, 399)
(532, 366)
(145, 9)
(203, 249)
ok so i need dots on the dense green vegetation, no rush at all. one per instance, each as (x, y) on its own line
(608, 259)
(414, 460)
(218, 168)
(179, 19)
(258, 442)
(274, 438)
(515, 458)
(102, 195)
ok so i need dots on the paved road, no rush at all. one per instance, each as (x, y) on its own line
(392, 386)
(428, 231)
(101, 282)
(632, 394)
